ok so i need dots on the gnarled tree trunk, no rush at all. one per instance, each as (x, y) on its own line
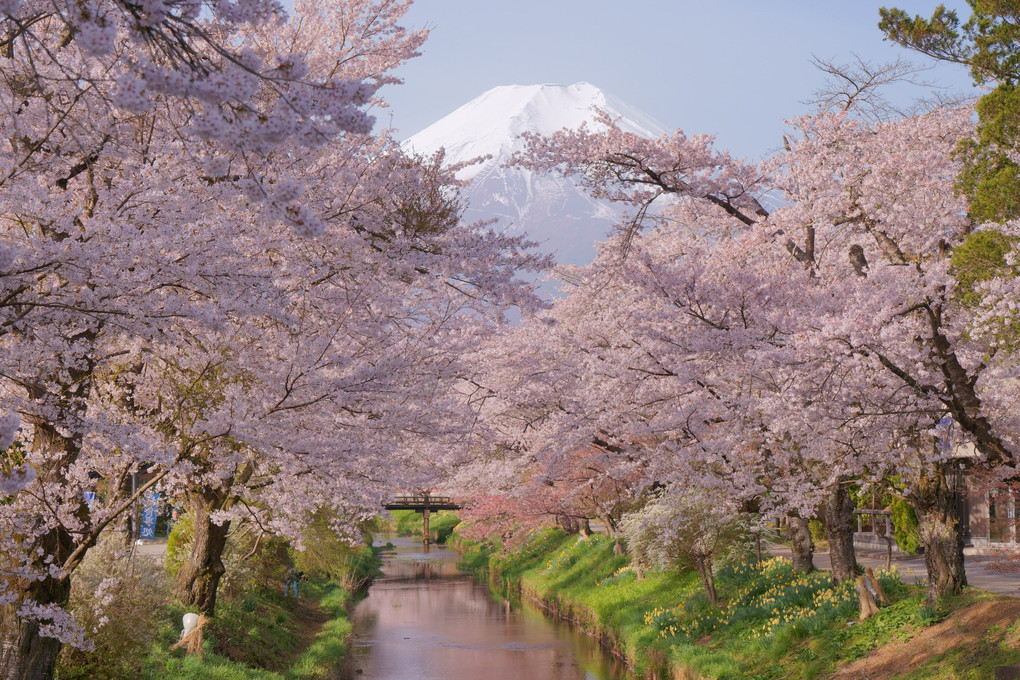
(801, 543)
(24, 653)
(837, 514)
(934, 501)
(199, 577)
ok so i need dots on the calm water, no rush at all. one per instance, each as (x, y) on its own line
(424, 620)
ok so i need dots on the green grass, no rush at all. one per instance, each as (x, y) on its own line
(210, 667)
(258, 630)
(255, 639)
(771, 622)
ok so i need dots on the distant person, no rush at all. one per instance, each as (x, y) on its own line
(293, 577)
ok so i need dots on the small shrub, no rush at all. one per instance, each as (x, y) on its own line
(178, 544)
(929, 616)
(683, 528)
(906, 529)
(332, 557)
(122, 600)
(251, 567)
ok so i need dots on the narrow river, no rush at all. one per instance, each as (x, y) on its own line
(425, 620)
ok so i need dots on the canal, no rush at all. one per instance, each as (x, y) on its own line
(426, 620)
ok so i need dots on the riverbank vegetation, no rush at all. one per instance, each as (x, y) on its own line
(258, 633)
(265, 636)
(770, 621)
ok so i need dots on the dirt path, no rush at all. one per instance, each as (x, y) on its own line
(309, 618)
(965, 629)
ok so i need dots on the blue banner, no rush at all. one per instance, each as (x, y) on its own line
(150, 510)
(943, 434)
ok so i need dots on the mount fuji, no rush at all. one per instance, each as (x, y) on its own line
(550, 209)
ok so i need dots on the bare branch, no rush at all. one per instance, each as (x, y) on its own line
(860, 88)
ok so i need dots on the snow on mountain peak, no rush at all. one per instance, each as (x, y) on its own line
(552, 210)
(491, 123)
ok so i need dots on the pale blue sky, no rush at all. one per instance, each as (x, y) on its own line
(733, 68)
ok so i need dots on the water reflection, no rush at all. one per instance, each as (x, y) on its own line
(424, 619)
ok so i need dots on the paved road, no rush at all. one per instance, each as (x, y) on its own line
(150, 548)
(912, 568)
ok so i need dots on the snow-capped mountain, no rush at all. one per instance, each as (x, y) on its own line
(551, 210)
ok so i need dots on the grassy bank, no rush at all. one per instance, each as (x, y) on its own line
(265, 637)
(770, 622)
(257, 634)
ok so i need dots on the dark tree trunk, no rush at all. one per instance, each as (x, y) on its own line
(838, 518)
(801, 543)
(567, 523)
(704, 567)
(610, 525)
(199, 577)
(127, 523)
(935, 504)
(584, 528)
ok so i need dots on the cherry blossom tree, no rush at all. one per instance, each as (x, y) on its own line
(158, 312)
(365, 361)
(825, 336)
(889, 202)
(102, 269)
(85, 60)
(542, 427)
(687, 528)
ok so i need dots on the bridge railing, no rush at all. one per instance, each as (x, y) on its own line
(421, 499)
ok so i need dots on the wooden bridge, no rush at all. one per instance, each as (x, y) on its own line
(424, 503)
